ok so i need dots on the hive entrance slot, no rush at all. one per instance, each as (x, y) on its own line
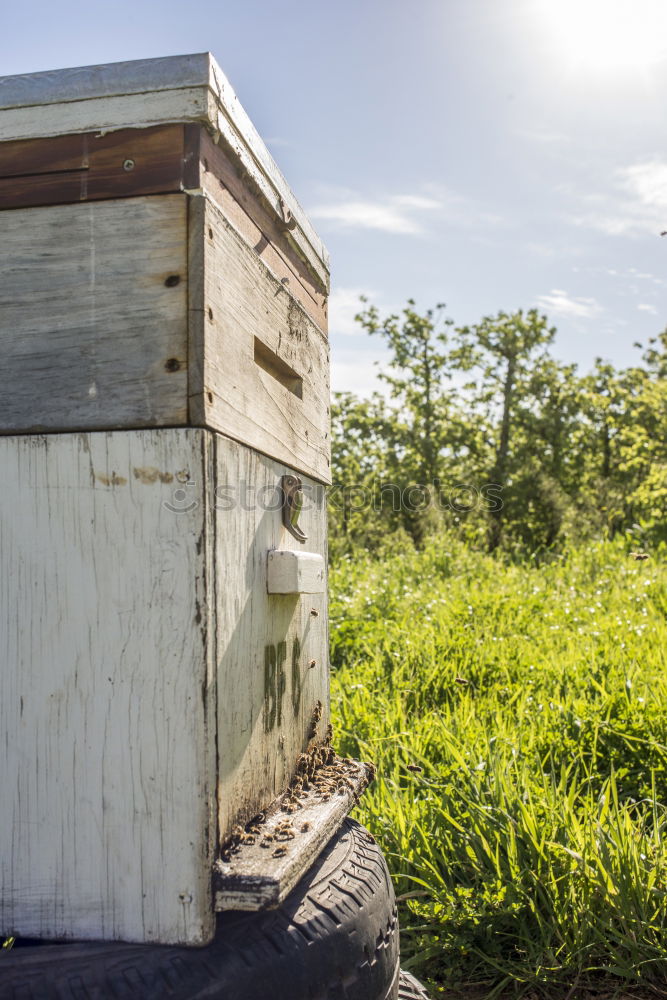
(278, 369)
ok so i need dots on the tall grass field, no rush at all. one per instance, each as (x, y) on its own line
(517, 715)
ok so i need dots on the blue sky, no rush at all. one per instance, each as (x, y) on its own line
(490, 154)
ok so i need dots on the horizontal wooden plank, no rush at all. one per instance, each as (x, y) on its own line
(107, 703)
(93, 319)
(265, 860)
(133, 76)
(228, 390)
(90, 167)
(104, 114)
(143, 93)
(134, 162)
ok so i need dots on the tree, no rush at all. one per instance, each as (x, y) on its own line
(417, 373)
(502, 352)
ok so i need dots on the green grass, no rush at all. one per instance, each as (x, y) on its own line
(530, 849)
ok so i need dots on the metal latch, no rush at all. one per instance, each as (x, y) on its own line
(291, 487)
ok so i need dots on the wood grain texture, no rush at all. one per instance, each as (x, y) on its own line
(107, 780)
(151, 688)
(272, 649)
(149, 92)
(260, 877)
(243, 301)
(104, 114)
(91, 167)
(91, 335)
(240, 202)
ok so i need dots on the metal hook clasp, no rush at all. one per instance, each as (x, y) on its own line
(292, 503)
(287, 219)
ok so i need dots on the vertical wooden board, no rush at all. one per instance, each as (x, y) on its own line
(108, 815)
(262, 362)
(93, 315)
(272, 650)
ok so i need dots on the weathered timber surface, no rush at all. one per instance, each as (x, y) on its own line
(261, 228)
(142, 93)
(92, 167)
(152, 693)
(273, 673)
(267, 860)
(93, 317)
(166, 159)
(107, 689)
(249, 318)
(154, 311)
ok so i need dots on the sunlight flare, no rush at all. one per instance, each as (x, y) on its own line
(609, 36)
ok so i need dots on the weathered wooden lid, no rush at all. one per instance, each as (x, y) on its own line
(140, 93)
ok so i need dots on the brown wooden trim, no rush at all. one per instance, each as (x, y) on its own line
(231, 189)
(92, 167)
(166, 158)
(192, 156)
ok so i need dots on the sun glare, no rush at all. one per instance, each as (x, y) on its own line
(609, 35)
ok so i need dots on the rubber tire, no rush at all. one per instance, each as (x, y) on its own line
(334, 938)
(410, 988)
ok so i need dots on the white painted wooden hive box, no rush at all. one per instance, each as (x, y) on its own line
(165, 367)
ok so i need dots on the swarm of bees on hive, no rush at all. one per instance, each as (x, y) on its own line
(320, 774)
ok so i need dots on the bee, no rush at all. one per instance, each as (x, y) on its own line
(305, 827)
(640, 556)
(280, 852)
(414, 767)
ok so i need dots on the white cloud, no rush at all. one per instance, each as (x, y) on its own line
(646, 182)
(344, 304)
(393, 215)
(356, 371)
(645, 307)
(559, 303)
(637, 207)
(403, 214)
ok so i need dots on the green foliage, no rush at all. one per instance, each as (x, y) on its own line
(518, 717)
(483, 413)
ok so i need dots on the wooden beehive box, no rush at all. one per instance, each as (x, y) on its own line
(165, 364)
